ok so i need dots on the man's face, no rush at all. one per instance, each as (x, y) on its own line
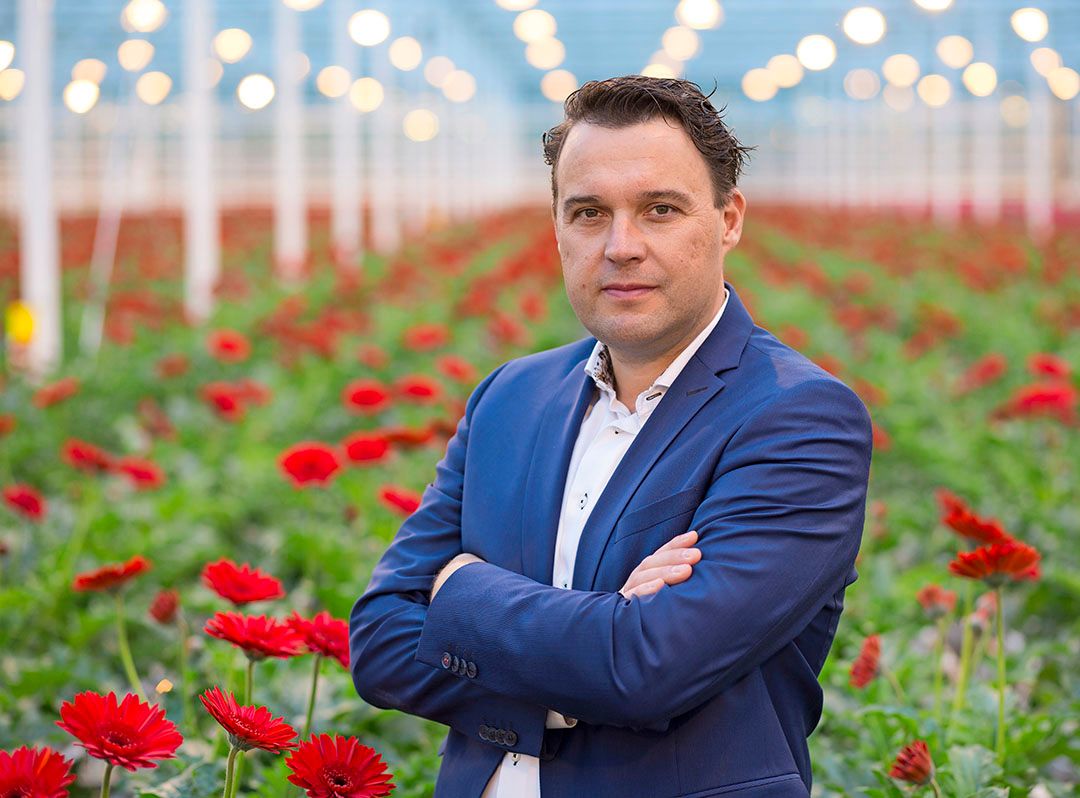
(641, 239)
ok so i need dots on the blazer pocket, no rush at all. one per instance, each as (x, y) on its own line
(657, 512)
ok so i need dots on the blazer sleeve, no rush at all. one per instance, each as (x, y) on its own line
(779, 529)
(386, 621)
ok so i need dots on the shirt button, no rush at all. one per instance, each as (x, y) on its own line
(583, 500)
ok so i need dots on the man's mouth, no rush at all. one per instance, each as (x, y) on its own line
(627, 290)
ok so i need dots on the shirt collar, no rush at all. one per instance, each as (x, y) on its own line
(599, 367)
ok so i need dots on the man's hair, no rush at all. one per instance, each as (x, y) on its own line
(633, 99)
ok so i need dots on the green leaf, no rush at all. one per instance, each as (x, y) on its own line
(197, 781)
(972, 768)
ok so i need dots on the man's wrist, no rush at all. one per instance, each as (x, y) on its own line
(440, 579)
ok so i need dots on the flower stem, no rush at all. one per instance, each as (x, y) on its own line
(248, 680)
(939, 666)
(311, 698)
(229, 772)
(891, 678)
(1000, 612)
(185, 682)
(105, 780)
(935, 787)
(965, 659)
(125, 649)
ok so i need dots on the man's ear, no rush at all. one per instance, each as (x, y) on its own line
(733, 214)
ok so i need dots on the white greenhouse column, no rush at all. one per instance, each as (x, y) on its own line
(986, 170)
(1038, 163)
(39, 269)
(945, 162)
(384, 188)
(345, 221)
(290, 207)
(202, 250)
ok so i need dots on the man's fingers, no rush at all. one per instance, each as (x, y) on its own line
(680, 541)
(668, 574)
(645, 589)
(670, 557)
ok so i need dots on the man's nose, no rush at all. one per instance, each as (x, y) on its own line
(625, 242)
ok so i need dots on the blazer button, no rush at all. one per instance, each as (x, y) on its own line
(470, 669)
(446, 659)
(456, 664)
(511, 738)
(500, 736)
(485, 732)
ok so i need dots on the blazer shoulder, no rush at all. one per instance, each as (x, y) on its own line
(544, 368)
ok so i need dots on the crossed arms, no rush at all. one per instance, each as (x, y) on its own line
(778, 528)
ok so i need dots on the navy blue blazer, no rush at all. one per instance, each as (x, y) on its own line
(706, 688)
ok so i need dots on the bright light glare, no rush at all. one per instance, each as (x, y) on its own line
(1030, 24)
(369, 27)
(515, 5)
(980, 79)
(459, 86)
(436, 70)
(366, 94)
(1045, 60)
(1015, 110)
(934, 90)
(420, 125)
(7, 54)
(816, 52)
(545, 53)
(898, 98)
(81, 95)
(11, 83)
(406, 53)
(681, 43)
(656, 70)
(786, 70)
(901, 70)
(144, 16)
(955, 52)
(333, 81)
(153, 87)
(558, 84)
(758, 85)
(699, 14)
(255, 91)
(302, 5)
(232, 44)
(534, 25)
(862, 84)
(1064, 83)
(933, 5)
(864, 25)
(89, 69)
(135, 54)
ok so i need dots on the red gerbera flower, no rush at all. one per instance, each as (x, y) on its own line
(309, 462)
(241, 584)
(457, 368)
(982, 372)
(956, 515)
(424, 337)
(85, 456)
(248, 727)
(998, 563)
(54, 392)
(7, 423)
(109, 577)
(339, 767)
(131, 735)
(324, 635)
(164, 607)
(408, 436)
(867, 664)
(418, 388)
(365, 396)
(936, 601)
(143, 474)
(366, 448)
(401, 500)
(257, 635)
(228, 346)
(26, 501)
(1055, 399)
(1044, 364)
(913, 764)
(224, 399)
(34, 773)
(372, 356)
(174, 365)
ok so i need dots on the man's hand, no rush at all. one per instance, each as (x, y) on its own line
(669, 565)
(462, 559)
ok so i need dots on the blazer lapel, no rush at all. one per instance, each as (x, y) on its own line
(698, 383)
(547, 473)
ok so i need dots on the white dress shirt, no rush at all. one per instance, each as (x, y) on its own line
(606, 433)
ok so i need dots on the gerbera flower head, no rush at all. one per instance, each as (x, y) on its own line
(248, 726)
(339, 767)
(85, 456)
(913, 764)
(936, 601)
(141, 473)
(164, 607)
(324, 635)
(366, 447)
(309, 462)
(131, 734)
(25, 501)
(418, 388)
(998, 563)
(241, 584)
(34, 773)
(228, 346)
(401, 500)
(956, 515)
(111, 577)
(866, 665)
(365, 396)
(257, 636)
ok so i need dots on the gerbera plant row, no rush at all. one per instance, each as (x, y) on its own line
(186, 519)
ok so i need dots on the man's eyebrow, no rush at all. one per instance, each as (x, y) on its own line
(579, 199)
(668, 194)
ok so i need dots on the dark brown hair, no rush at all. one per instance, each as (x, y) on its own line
(632, 99)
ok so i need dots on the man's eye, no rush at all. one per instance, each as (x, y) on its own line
(589, 213)
(663, 210)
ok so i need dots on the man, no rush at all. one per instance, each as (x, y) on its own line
(547, 600)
